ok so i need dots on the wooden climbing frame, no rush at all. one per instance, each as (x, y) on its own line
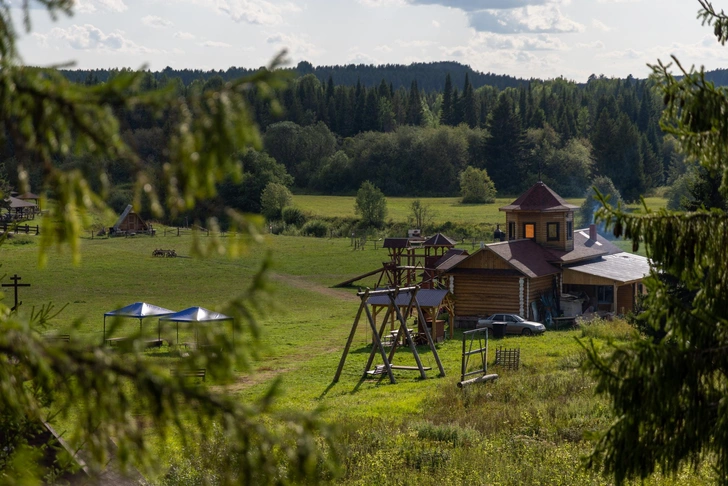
(402, 332)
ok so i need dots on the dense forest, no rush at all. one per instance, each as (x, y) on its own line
(411, 140)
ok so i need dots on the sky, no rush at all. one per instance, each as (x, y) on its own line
(525, 38)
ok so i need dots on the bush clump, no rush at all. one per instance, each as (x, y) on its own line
(315, 227)
(293, 216)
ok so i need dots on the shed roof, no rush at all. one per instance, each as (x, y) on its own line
(28, 195)
(425, 297)
(539, 197)
(621, 267)
(440, 240)
(395, 243)
(123, 216)
(196, 314)
(140, 310)
(17, 203)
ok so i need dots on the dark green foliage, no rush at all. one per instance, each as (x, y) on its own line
(668, 390)
(293, 215)
(315, 227)
(259, 170)
(505, 150)
(476, 187)
(370, 205)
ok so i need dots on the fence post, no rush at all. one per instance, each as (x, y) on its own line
(177, 230)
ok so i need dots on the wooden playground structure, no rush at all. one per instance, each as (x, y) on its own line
(403, 334)
(411, 261)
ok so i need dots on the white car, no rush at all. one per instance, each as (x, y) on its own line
(515, 324)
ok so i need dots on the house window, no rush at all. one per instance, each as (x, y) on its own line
(529, 230)
(605, 294)
(569, 230)
(552, 232)
(511, 230)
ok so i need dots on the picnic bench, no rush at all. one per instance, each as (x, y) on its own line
(196, 373)
(150, 343)
(65, 338)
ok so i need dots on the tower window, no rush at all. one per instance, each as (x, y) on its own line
(529, 230)
(552, 232)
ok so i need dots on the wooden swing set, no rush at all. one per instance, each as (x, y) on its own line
(403, 334)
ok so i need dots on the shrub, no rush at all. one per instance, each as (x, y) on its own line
(274, 198)
(316, 228)
(476, 186)
(293, 215)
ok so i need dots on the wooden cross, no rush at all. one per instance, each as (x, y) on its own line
(15, 285)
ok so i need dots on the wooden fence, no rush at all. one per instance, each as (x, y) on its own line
(16, 228)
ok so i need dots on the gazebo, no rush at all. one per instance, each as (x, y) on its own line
(196, 315)
(138, 310)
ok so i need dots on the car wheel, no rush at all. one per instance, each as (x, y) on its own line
(527, 332)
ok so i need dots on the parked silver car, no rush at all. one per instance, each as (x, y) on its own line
(515, 324)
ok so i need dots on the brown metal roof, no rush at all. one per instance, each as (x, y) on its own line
(28, 195)
(452, 252)
(395, 243)
(440, 240)
(539, 197)
(526, 256)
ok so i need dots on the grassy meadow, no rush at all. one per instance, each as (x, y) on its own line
(528, 427)
(444, 208)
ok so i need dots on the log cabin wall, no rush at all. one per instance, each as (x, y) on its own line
(625, 298)
(483, 295)
(541, 219)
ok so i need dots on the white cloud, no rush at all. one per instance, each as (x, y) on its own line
(298, 46)
(414, 43)
(185, 35)
(600, 25)
(591, 45)
(618, 1)
(218, 44)
(362, 58)
(258, 12)
(536, 19)
(90, 38)
(476, 5)
(91, 6)
(383, 48)
(381, 3)
(540, 42)
(436, 24)
(156, 22)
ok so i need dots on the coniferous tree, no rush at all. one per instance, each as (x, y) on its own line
(505, 149)
(414, 106)
(447, 103)
(470, 110)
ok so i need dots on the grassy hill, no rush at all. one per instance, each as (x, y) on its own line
(526, 428)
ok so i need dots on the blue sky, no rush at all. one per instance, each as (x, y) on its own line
(525, 38)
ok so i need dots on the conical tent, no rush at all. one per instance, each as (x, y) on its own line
(196, 315)
(138, 310)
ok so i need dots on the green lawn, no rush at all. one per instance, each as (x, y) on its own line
(445, 208)
(526, 428)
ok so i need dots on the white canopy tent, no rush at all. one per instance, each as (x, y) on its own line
(138, 310)
(196, 315)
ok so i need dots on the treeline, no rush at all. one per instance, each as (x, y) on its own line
(411, 142)
(429, 76)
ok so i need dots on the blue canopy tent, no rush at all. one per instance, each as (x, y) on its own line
(138, 310)
(196, 315)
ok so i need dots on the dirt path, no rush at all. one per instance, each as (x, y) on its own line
(303, 283)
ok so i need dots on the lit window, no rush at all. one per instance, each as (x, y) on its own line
(529, 230)
(552, 232)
